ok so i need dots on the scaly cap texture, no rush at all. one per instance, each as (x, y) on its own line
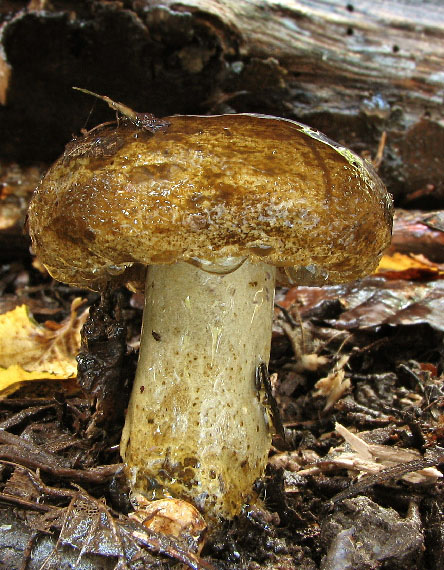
(209, 187)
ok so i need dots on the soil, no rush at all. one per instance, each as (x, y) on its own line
(322, 503)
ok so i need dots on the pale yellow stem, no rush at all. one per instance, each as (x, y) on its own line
(196, 426)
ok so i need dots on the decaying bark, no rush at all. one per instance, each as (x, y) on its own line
(353, 70)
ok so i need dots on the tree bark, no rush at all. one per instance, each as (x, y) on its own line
(354, 70)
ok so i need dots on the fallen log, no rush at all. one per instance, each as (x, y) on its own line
(354, 70)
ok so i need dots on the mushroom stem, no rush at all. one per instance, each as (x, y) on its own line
(197, 427)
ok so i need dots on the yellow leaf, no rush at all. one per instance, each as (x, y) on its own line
(13, 377)
(413, 267)
(30, 351)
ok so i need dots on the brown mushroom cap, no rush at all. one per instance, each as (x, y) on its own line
(209, 187)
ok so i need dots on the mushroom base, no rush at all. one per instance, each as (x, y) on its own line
(197, 425)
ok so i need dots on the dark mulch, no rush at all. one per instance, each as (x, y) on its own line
(63, 498)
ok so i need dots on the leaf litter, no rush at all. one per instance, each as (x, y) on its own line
(30, 351)
(362, 361)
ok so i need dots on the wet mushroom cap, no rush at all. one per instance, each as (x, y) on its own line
(206, 188)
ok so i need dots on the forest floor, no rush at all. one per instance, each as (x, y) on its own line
(353, 480)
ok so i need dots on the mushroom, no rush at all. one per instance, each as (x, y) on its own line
(211, 205)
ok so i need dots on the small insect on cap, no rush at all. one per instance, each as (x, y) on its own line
(202, 188)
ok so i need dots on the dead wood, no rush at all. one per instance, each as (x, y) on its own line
(354, 70)
(18, 450)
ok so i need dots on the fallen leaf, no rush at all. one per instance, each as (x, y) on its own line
(374, 301)
(412, 304)
(173, 517)
(334, 385)
(372, 458)
(416, 231)
(30, 351)
(411, 267)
